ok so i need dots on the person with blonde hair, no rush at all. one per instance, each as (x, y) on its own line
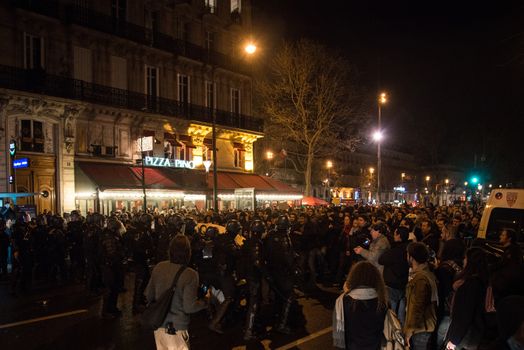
(364, 307)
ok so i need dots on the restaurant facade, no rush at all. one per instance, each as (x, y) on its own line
(110, 109)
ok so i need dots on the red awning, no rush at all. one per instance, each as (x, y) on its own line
(155, 178)
(110, 175)
(313, 201)
(231, 181)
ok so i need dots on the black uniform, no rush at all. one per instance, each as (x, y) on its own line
(111, 257)
(225, 254)
(142, 251)
(255, 268)
(90, 243)
(281, 266)
(75, 237)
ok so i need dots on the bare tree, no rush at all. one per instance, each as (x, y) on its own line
(308, 96)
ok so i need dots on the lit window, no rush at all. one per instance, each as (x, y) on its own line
(235, 6)
(211, 5)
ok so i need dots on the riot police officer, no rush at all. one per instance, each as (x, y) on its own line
(74, 234)
(225, 253)
(91, 236)
(142, 250)
(280, 259)
(253, 259)
(111, 258)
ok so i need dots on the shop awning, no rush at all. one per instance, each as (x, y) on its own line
(107, 176)
(155, 178)
(231, 181)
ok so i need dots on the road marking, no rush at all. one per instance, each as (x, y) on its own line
(45, 318)
(306, 339)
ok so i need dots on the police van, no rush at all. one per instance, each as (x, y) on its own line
(504, 209)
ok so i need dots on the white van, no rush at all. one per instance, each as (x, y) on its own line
(504, 209)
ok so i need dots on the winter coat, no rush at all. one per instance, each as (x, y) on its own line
(363, 321)
(396, 267)
(421, 303)
(376, 249)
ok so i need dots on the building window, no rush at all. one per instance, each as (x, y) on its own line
(210, 94)
(240, 158)
(32, 135)
(33, 52)
(210, 41)
(152, 81)
(182, 29)
(211, 5)
(235, 101)
(119, 9)
(235, 6)
(183, 88)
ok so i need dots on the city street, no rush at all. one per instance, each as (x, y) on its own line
(65, 318)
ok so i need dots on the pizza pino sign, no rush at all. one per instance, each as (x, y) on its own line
(169, 163)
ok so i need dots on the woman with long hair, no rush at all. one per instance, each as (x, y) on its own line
(469, 303)
(365, 306)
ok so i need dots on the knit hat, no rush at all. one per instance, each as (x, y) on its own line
(419, 252)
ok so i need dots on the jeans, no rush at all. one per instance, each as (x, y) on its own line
(420, 341)
(397, 300)
(443, 331)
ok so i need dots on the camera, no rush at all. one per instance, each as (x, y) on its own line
(170, 329)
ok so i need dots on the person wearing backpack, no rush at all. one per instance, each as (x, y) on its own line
(469, 303)
(173, 333)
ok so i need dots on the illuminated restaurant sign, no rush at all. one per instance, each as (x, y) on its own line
(170, 163)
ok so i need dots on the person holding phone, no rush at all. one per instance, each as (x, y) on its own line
(377, 246)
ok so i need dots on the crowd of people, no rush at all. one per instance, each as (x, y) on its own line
(425, 264)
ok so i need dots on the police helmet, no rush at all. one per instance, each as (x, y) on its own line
(258, 227)
(233, 227)
(282, 223)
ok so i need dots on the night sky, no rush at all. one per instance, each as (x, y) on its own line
(454, 71)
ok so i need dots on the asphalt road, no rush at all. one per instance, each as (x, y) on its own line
(67, 317)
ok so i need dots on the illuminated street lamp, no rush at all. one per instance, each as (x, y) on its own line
(371, 170)
(250, 48)
(465, 183)
(377, 136)
(329, 164)
(446, 181)
(269, 155)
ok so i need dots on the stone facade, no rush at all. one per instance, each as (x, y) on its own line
(164, 69)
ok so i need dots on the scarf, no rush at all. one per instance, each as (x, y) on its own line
(357, 294)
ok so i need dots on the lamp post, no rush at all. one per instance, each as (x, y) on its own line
(329, 165)
(371, 171)
(382, 99)
(250, 49)
(144, 202)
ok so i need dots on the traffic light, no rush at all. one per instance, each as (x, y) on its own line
(474, 180)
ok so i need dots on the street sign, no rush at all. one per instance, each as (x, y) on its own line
(21, 163)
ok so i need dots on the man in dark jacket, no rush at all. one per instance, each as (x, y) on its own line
(396, 270)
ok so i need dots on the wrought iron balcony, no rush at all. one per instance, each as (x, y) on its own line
(39, 82)
(82, 16)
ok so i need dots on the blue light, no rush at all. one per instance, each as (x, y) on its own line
(20, 163)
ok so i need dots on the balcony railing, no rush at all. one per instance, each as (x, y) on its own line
(39, 82)
(82, 16)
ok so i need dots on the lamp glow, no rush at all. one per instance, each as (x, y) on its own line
(377, 136)
(250, 48)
